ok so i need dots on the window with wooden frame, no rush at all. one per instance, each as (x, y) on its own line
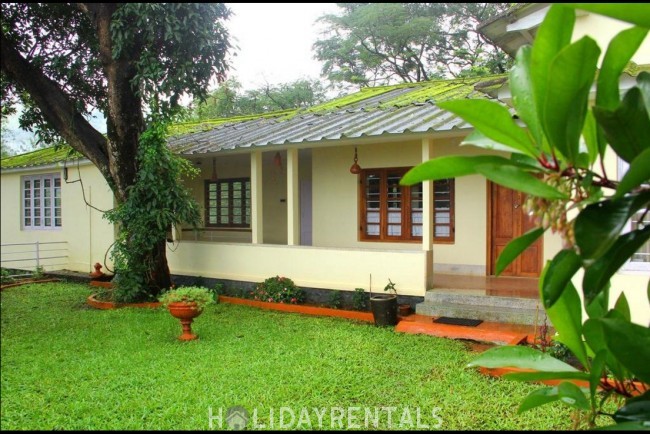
(391, 212)
(228, 203)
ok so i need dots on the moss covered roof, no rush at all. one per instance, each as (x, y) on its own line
(380, 98)
(40, 157)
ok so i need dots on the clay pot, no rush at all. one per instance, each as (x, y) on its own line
(185, 312)
(404, 309)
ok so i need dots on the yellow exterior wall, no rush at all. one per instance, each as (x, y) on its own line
(335, 191)
(87, 234)
(274, 196)
(335, 204)
(603, 29)
(237, 166)
(312, 267)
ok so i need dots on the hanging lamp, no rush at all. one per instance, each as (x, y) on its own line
(355, 169)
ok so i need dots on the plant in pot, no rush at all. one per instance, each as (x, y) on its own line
(186, 303)
(384, 306)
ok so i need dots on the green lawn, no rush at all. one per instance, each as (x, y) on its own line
(68, 366)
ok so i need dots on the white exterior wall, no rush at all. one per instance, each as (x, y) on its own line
(313, 267)
(87, 234)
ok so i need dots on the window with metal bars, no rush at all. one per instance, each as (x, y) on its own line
(391, 212)
(228, 203)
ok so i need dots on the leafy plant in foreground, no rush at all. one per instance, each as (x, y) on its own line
(558, 161)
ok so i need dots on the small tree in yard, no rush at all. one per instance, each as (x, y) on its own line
(570, 192)
(63, 60)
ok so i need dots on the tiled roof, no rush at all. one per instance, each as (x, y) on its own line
(375, 111)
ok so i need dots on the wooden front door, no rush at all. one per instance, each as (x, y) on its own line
(507, 222)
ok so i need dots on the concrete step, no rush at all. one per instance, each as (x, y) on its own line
(513, 314)
(478, 298)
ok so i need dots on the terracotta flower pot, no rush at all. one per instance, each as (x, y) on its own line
(185, 312)
(404, 309)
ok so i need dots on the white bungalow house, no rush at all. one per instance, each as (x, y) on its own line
(279, 196)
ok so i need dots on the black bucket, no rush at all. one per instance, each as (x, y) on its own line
(384, 309)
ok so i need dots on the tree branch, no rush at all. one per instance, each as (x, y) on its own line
(56, 107)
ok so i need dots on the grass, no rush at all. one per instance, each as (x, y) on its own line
(68, 366)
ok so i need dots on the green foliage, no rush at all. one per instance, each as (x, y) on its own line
(173, 48)
(198, 281)
(390, 287)
(279, 290)
(360, 299)
(39, 272)
(228, 100)
(5, 276)
(200, 295)
(335, 299)
(370, 44)
(159, 31)
(217, 290)
(156, 202)
(562, 147)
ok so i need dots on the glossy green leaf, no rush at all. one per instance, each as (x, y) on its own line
(566, 316)
(599, 306)
(635, 13)
(626, 127)
(598, 274)
(571, 75)
(494, 121)
(537, 376)
(515, 247)
(520, 357)
(637, 174)
(523, 160)
(598, 365)
(517, 179)
(643, 82)
(629, 343)
(595, 337)
(478, 139)
(623, 307)
(636, 409)
(572, 395)
(619, 53)
(539, 397)
(560, 271)
(523, 95)
(452, 166)
(599, 225)
(552, 36)
(594, 139)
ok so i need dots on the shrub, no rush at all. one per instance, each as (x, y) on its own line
(335, 299)
(360, 299)
(198, 294)
(279, 290)
(5, 276)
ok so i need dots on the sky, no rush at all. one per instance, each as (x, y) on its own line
(274, 45)
(275, 41)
